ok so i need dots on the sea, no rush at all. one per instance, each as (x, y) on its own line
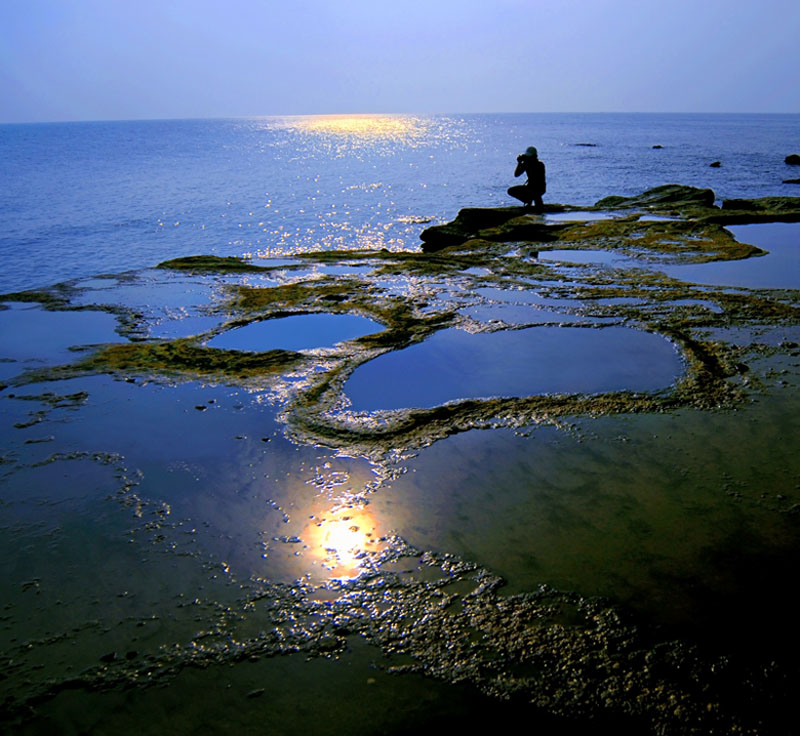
(85, 198)
(370, 492)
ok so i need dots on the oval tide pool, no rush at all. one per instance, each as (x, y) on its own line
(778, 269)
(453, 364)
(297, 332)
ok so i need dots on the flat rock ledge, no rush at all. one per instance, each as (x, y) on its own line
(505, 224)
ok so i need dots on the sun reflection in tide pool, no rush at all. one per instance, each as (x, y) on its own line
(343, 540)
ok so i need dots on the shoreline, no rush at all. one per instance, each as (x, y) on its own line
(627, 507)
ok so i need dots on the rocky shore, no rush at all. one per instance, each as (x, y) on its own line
(690, 204)
(563, 656)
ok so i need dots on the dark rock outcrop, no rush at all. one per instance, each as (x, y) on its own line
(762, 209)
(667, 197)
(793, 159)
(466, 226)
(511, 224)
(764, 204)
(715, 164)
(490, 223)
(791, 181)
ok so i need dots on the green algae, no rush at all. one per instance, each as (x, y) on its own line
(207, 263)
(185, 357)
(689, 241)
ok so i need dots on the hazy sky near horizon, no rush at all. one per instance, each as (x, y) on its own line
(134, 59)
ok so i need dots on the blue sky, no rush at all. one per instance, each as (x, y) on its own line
(133, 59)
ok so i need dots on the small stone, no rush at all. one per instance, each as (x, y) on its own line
(257, 693)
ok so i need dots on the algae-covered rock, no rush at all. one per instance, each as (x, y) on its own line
(466, 226)
(763, 204)
(209, 263)
(762, 209)
(489, 223)
(667, 197)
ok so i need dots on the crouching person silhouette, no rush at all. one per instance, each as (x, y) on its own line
(535, 186)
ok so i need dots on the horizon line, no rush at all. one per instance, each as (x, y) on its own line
(259, 116)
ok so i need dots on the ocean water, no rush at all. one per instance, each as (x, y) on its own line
(80, 199)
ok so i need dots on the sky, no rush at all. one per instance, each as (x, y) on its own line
(64, 60)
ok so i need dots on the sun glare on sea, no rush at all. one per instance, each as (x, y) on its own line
(359, 126)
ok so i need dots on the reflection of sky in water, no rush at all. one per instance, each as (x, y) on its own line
(523, 296)
(236, 489)
(161, 295)
(519, 314)
(600, 257)
(183, 327)
(298, 332)
(577, 216)
(453, 364)
(779, 269)
(31, 334)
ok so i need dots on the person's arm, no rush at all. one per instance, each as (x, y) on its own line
(520, 167)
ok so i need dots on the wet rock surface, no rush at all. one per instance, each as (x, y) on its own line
(574, 659)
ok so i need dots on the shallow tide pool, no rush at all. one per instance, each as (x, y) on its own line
(778, 269)
(297, 332)
(454, 364)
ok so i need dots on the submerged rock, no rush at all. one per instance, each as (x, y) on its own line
(667, 197)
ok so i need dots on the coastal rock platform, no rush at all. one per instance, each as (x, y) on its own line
(687, 203)
(618, 557)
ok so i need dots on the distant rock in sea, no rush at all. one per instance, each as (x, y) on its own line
(658, 146)
(793, 159)
(791, 181)
(587, 145)
(715, 164)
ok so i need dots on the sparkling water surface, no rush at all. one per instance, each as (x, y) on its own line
(80, 199)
